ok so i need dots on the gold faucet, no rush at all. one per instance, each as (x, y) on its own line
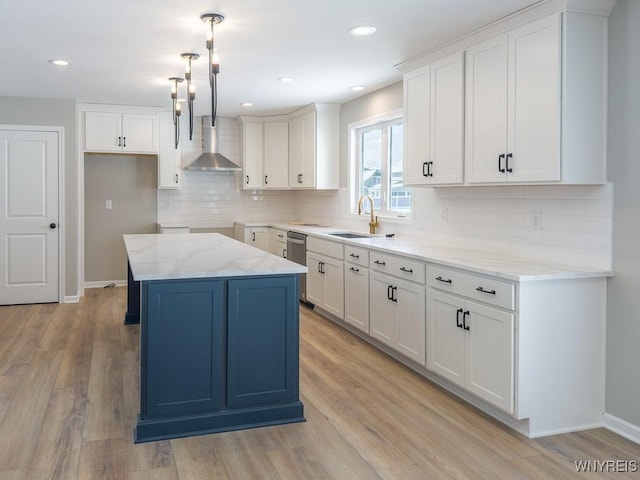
(373, 224)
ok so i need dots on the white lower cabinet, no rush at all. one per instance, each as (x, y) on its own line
(325, 283)
(356, 288)
(255, 236)
(397, 315)
(472, 345)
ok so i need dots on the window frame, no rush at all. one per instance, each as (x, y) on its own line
(354, 134)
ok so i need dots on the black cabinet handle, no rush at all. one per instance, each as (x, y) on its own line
(52, 226)
(389, 292)
(266, 182)
(299, 178)
(378, 262)
(280, 235)
(429, 173)
(253, 236)
(500, 158)
(490, 292)
(323, 264)
(176, 178)
(464, 320)
(124, 141)
(440, 279)
(425, 169)
(284, 253)
(247, 179)
(353, 269)
(509, 169)
(458, 322)
(394, 296)
(408, 270)
(354, 255)
(119, 141)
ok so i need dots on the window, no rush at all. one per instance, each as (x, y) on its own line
(376, 166)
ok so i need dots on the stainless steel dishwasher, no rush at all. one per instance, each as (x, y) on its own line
(297, 252)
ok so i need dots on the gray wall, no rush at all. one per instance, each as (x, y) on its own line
(623, 323)
(130, 182)
(57, 113)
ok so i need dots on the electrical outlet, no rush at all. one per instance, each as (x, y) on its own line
(109, 205)
(535, 220)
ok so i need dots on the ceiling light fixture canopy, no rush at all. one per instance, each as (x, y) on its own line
(214, 63)
(177, 108)
(191, 89)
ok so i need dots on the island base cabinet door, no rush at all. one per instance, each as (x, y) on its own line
(182, 358)
(446, 337)
(490, 354)
(262, 341)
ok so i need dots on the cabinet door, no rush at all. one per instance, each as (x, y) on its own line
(410, 329)
(260, 238)
(356, 296)
(276, 155)
(262, 346)
(445, 336)
(295, 152)
(534, 101)
(169, 155)
(103, 132)
(416, 126)
(140, 133)
(489, 359)
(253, 155)
(302, 145)
(383, 310)
(333, 287)
(486, 111)
(446, 132)
(182, 347)
(315, 279)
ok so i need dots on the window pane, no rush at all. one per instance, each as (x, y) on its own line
(371, 173)
(400, 195)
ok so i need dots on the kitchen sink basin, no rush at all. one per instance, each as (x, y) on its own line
(349, 235)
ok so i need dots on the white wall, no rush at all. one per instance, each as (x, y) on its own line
(576, 221)
(215, 199)
(623, 323)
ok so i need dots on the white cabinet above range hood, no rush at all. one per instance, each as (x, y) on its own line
(210, 159)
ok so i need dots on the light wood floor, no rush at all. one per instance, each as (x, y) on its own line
(69, 398)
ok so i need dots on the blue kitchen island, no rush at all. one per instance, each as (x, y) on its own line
(219, 335)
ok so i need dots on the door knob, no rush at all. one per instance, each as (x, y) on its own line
(52, 226)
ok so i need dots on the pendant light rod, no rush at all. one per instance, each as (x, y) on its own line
(214, 64)
(191, 92)
(177, 109)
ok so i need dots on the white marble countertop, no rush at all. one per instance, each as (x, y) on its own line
(486, 263)
(200, 255)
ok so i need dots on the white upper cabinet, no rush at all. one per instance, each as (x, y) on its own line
(169, 174)
(534, 102)
(513, 105)
(434, 122)
(121, 132)
(265, 145)
(313, 147)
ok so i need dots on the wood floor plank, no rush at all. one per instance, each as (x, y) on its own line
(16, 353)
(20, 474)
(149, 456)
(103, 459)
(22, 422)
(192, 463)
(167, 473)
(8, 388)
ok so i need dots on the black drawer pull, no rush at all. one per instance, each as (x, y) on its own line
(353, 269)
(378, 262)
(440, 279)
(500, 167)
(354, 255)
(408, 270)
(490, 292)
(458, 322)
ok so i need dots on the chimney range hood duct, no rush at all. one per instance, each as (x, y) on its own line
(210, 160)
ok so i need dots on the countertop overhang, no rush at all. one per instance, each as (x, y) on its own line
(200, 255)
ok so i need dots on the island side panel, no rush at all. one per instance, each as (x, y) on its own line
(184, 348)
(263, 341)
(133, 299)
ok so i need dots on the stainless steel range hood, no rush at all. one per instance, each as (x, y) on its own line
(210, 159)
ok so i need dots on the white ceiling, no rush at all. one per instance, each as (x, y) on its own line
(123, 51)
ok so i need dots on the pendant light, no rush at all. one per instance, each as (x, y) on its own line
(177, 109)
(191, 91)
(214, 63)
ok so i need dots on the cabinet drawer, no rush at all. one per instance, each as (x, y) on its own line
(325, 247)
(281, 235)
(401, 267)
(489, 290)
(359, 256)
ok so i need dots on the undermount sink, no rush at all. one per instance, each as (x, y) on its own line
(349, 235)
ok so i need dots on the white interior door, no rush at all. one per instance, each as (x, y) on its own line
(29, 216)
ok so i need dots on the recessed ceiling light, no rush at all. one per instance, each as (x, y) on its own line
(286, 79)
(247, 104)
(357, 88)
(59, 63)
(362, 30)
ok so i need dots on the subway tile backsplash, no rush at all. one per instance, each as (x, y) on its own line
(573, 223)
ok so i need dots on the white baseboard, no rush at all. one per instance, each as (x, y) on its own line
(621, 427)
(104, 283)
(71, 299)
